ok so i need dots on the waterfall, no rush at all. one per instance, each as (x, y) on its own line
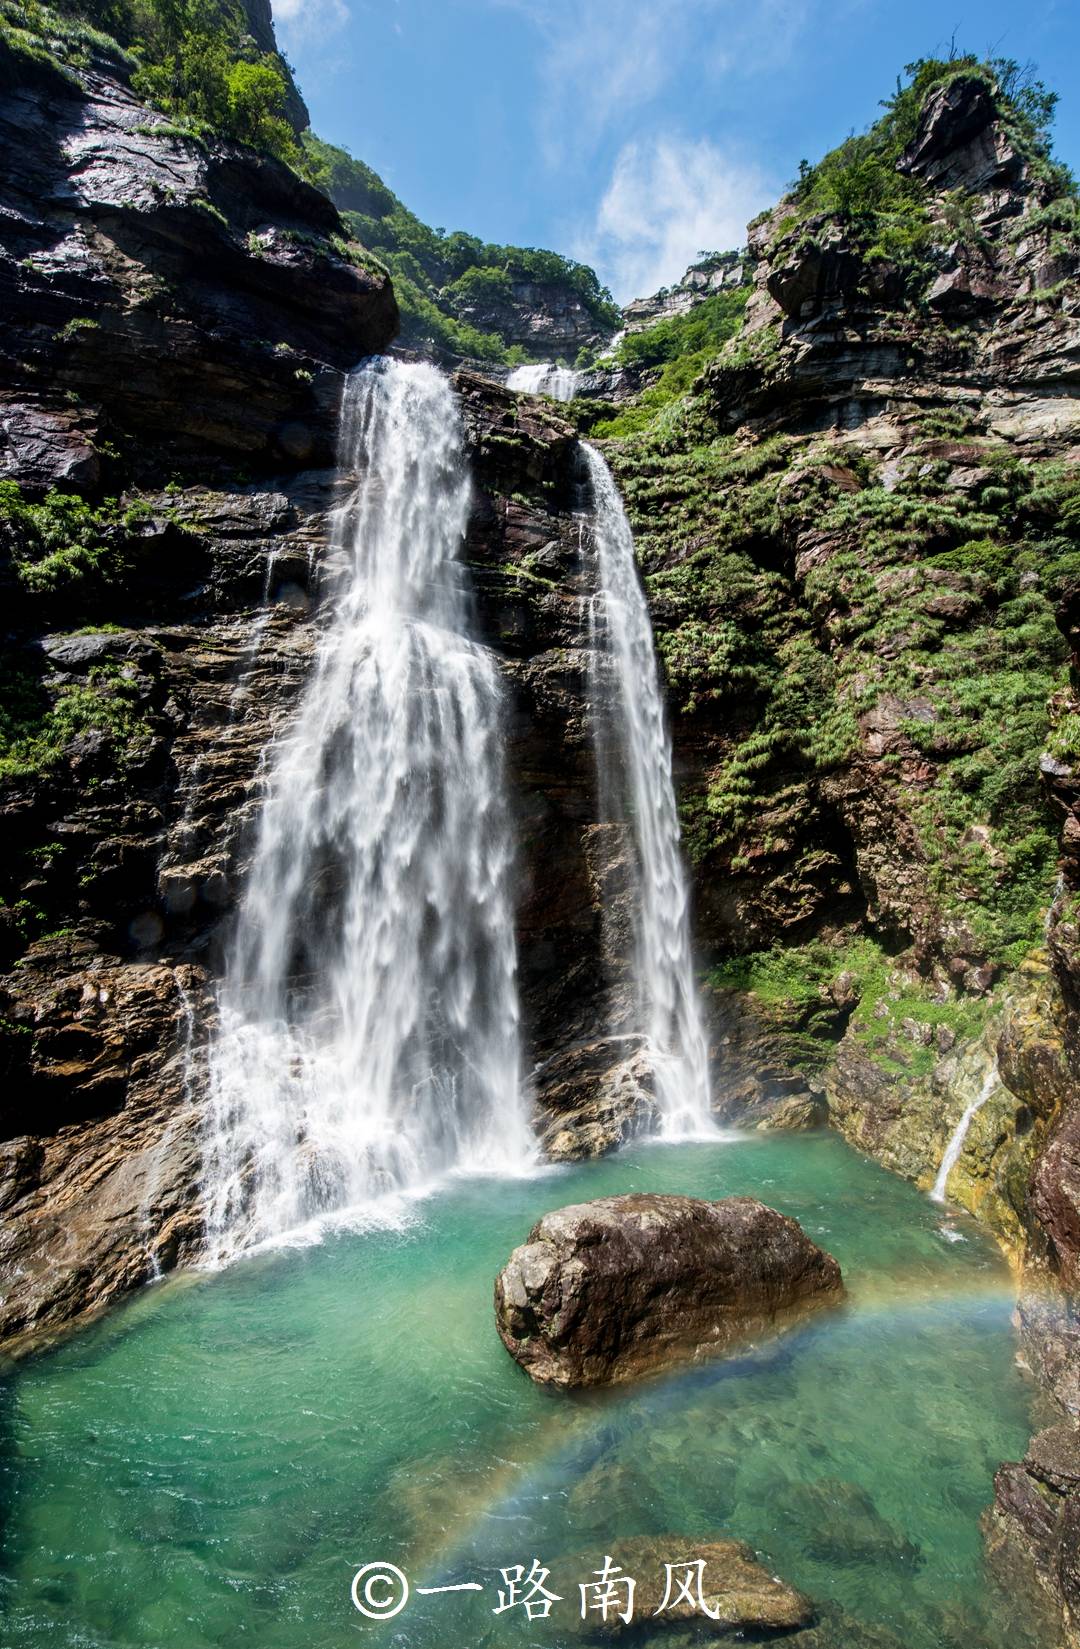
(368, 1017)
(636, 790)
(545, 379)
(959, 1134)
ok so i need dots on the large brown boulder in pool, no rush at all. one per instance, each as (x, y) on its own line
(607, 1290)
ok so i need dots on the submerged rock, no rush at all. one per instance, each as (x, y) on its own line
(736, 1593)
(837, 1523)
(836, 1629)
(607, 1290)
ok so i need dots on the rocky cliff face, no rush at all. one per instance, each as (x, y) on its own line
(859, 536)
(546, 318)
(719, 272)
(856, 536)
(167, 378)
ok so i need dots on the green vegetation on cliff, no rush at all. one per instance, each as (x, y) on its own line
(440, 278)
(928, 619)
(193, 59)
(857, 188)
(679, 347)
(807, 992)
(699, 331)
(39, 724)
(64, 561)
(62, 545)
(887, 212)
(197, 66)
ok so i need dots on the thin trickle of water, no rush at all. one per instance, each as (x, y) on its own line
(960, 1132)
(560, 382)
(368, 1038)
(636, 790)
(250, 657)
(1051, 909)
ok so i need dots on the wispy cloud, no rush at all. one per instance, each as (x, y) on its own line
(666, 201)
(605, 60)
(304, 20)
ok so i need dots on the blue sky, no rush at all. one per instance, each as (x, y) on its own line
(631, 133)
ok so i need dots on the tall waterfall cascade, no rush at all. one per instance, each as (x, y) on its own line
(636, 790)
(544, 378)
(368, 1017)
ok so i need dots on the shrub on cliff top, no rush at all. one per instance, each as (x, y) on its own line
(198, 67)
(705, 327)
(64, 552)
(480, 284)
(859, 179)
(858, 182)
(38, 36)
(193, 59)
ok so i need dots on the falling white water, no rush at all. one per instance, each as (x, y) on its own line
(368, 1036)
(545, 379)
(634, 757)
(959, 1134)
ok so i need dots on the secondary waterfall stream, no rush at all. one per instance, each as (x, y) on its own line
(368, 1037)
(636, 790)
(960, 1132)
(544, 378)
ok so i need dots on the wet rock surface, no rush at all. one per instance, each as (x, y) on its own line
(161, 343)
(608, 1290)
(157, 293)
(1033, 1529)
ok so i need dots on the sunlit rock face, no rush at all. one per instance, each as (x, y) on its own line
(158, 294)
(606, 1291)
(546, 318)
(719, 273)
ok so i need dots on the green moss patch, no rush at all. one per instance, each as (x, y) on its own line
(38, 724)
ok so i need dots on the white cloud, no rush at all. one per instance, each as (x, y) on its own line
(300, 20)
(604, 59)
(668, 200)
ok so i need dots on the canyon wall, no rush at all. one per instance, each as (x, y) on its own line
(858, 535)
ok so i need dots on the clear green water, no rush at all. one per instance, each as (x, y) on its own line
(210, 1464)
